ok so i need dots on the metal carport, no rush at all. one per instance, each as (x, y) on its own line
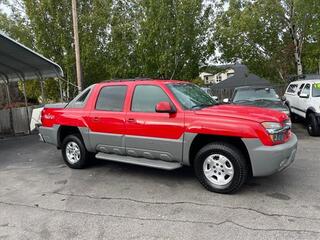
(19, 63)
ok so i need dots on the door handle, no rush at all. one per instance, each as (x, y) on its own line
(96, 119)
(131, 120)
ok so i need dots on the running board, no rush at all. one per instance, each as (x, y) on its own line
(139, 161)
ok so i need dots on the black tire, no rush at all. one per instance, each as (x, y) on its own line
(240, 167)
(313, 126)
(84, 154)
(294, 117)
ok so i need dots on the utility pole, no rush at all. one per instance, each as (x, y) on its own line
(76, 44)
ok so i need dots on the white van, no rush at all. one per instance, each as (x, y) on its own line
(303, 100)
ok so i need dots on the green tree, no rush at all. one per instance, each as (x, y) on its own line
(118, 38)
(268, 35)
(171, 43)
(122, 46)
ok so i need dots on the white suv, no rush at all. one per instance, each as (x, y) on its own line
(303, 100)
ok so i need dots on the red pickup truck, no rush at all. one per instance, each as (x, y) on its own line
(168, 124)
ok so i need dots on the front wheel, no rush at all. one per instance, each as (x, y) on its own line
(221, 167)
(294, 117)
(74, 152)
(312, 125)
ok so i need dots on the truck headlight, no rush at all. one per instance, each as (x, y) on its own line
(278, 132)
(272, 127)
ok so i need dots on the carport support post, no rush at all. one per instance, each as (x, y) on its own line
(42, 90)
(60, 88)
(6, 82)
(26, 103)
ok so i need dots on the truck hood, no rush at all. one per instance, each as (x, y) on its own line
(278, 105)
(256, 114)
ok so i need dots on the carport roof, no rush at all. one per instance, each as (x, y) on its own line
(18, 62)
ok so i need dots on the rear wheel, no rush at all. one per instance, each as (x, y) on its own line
(74, 152)
(313, 125)
(221, 167)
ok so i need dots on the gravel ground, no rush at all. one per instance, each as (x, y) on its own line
(40, 198)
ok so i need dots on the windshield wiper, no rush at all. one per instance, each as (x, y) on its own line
(243, 100)
(266, 99)
(202, 105)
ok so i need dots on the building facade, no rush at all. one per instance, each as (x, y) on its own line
(211, 79)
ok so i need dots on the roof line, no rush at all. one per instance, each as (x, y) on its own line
(130, 79)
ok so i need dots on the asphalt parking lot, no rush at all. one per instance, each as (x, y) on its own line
(40, 198)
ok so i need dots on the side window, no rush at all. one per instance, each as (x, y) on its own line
(83, 97)
(306, 90)
(111, 98)
(300, 89)
(80, 100)
(146, 97)
(292, 88)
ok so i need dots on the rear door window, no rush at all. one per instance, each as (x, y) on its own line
(111, 98)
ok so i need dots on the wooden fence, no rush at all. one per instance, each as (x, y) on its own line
(19, 123)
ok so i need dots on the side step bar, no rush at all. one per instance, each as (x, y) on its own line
(139, 161)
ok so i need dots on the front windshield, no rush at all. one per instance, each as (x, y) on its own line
(191, 96)
(253, 94)
(316, 90)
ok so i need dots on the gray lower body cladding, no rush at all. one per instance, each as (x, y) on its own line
(175, 150)
(138, 146)
(267, 160)
(49, 134)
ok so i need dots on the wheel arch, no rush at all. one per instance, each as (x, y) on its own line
(310, 110)
(64, 131)
(287, 103)
(200, 140)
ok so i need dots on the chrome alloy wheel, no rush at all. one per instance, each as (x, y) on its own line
(218, 169)
(73, 152)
